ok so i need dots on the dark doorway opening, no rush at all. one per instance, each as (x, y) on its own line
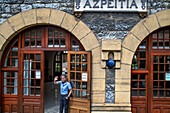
(55, 65)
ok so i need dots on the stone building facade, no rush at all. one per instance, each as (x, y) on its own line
(105, 26)
(120, 33)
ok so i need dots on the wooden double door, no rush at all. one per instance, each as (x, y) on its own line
(150, 76)
(153, 89)
(31, 93)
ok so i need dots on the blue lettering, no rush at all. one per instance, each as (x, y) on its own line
(103, 2)
(134, 4)
(95, 5)
(109, 4)
(115, 3)
(121, 2)
(87, 4)
(127, 3)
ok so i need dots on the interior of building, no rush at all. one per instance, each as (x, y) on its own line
(55, 65)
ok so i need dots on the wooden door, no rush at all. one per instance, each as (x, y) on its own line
(79, 75)
(160, 83)
(32, 80)
(10, 97)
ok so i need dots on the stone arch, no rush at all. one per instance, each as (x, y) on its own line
(46, 16)
(135, 37)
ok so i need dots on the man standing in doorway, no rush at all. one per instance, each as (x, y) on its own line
(65, 91)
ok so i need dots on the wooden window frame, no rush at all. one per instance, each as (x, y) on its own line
(67, 37)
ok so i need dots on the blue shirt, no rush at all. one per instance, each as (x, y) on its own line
(64, 87)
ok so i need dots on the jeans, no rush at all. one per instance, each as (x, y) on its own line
(64, 103)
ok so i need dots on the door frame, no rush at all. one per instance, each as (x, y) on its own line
(21, 79)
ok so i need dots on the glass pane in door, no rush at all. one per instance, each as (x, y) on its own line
(10, 83)
(161, 74)
(138, 85)
(79, 74)
(32, 74)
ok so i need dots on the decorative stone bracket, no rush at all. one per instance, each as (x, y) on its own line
(78, 14)
(111, 45)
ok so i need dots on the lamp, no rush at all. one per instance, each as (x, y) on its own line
(110, 63)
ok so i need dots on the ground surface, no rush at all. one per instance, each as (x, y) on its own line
(51, 98)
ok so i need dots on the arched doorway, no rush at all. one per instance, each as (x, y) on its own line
(24, 67)
(150, 82)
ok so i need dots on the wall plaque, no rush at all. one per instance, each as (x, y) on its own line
(38, 74)
(110, 5)
(84, 77)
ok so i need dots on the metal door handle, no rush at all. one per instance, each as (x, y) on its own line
(87, 94)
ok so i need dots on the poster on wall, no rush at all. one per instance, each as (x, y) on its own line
(167, 76)
(84, 77)
(38, 74)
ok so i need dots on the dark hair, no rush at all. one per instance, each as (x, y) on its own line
(64, 75)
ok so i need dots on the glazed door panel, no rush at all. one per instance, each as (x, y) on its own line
(10, 92)
(160, 75)
(139, 92)
(79, 75)
(32, 81)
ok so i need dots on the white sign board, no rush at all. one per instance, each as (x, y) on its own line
(38, 74)
(110, 5)
(84, 77)
(167, 76)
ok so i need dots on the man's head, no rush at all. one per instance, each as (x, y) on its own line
(63, 78)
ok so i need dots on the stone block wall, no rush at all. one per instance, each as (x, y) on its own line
(157, 5)
(110, 86)
(104, 25)
(110, 25)
(9, 8)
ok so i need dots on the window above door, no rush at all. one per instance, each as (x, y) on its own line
(50, 38)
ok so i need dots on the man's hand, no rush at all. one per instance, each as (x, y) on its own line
(56, 78)
(70, 91)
